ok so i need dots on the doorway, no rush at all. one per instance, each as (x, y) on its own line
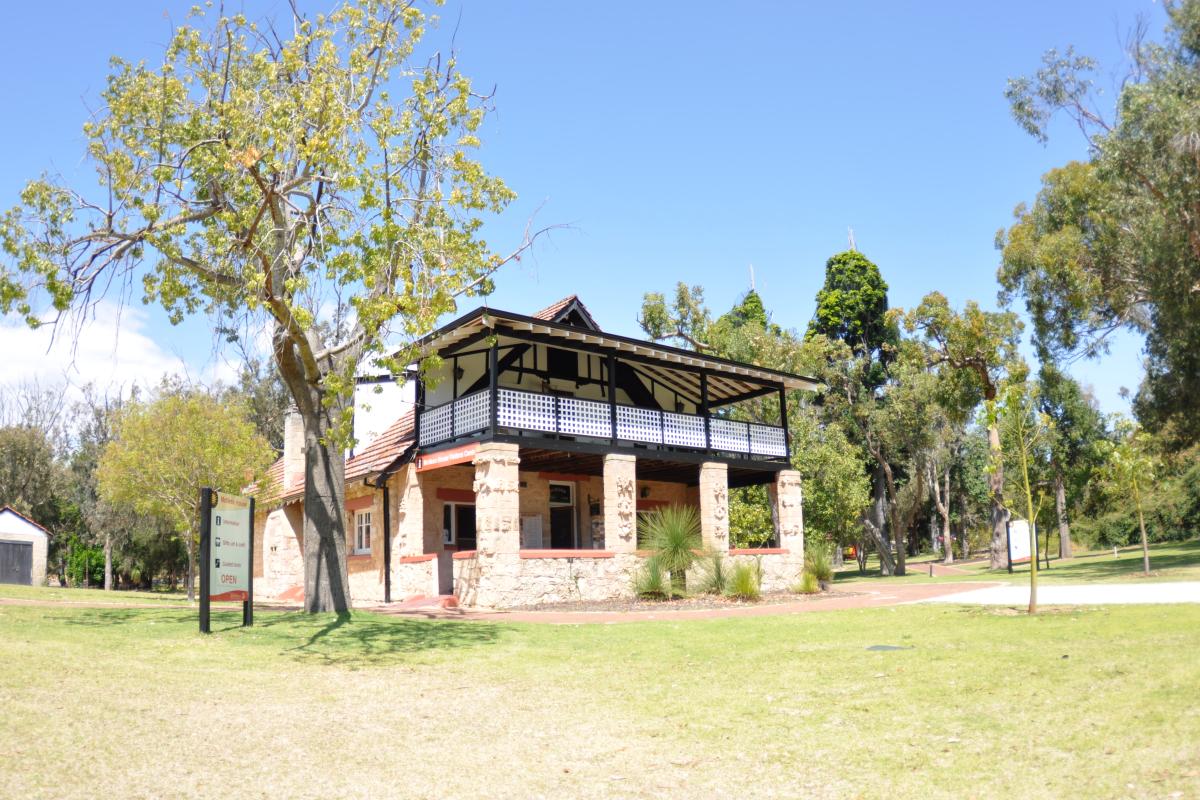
(562, 516)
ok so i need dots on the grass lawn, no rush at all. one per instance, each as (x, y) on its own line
(1171, 561)
(89, 596)
(1096, 702)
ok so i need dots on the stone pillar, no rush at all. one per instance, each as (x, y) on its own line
(787, 509)
(620, 503)
(409, 514)
(714, 506)
(497, 503)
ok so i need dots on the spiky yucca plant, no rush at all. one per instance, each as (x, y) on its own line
(715, 577)
(673, 533)
(649, 583)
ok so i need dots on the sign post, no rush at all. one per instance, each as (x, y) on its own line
(226, 553)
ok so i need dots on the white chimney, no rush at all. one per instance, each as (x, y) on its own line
(293, 449)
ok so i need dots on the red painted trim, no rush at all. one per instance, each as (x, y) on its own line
(359, 503)
(237, 594)
(463, 554)
(447, 458)
(758, 551)
(565, 476)
(650, 505)
(567, 554)
(416, 559)
(456, 495)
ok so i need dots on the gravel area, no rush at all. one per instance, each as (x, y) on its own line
(696, 603)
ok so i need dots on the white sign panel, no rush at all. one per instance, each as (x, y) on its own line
(1018, 541)
(229, 570)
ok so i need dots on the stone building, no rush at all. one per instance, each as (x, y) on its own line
(516, 471)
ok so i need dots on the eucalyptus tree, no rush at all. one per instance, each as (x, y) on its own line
(1129, 466)
(1026, 433)
(975, 353)
(317, 176)
(1115, 242)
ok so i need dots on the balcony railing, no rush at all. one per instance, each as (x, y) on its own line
(570, 416)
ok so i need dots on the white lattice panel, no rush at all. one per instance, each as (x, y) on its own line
(683, 429)
(767, 440)
(436, 425)
(526, 411)
(729, 435)
(584, 418)
(471, 413)
(639, 424)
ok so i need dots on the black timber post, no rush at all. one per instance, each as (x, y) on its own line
(418, 406)
(248, 603)
(493, 383)
(783, 420)
(206, 556)
(612, 396)
(387, 541)
(704, 410)
(453, 397)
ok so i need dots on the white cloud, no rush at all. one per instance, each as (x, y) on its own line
(113, 350)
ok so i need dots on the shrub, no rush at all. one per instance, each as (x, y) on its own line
(818, 563)
(715, 578)
(649, 583)
(673, 533)
(743, 582)
(808, 584)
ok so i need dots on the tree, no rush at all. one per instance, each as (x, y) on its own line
(1129, 464)
(1115, 242)
(1026, 433)
(852, 307)
(165, 450)
(974, 352)
(836, 488)
(323, 182)
(1077, 429)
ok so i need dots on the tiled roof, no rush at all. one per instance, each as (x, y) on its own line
(27, 519)
(370, 460)
(552, 312)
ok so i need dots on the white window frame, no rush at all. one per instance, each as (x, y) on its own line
(451, 536)
(359, 517)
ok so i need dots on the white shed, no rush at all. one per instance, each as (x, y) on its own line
(23, 545)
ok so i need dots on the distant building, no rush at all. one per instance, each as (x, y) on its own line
(23, 545)
(514, 475)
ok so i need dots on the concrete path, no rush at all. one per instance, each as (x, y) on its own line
(1091, 594)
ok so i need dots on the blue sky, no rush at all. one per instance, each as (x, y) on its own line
(679, 141)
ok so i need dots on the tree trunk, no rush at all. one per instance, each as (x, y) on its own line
(325, 586)
(942, 501)
(191, 570)
(875, 522)
(1137, 496)
(1060, 508)
(108, 573)
(999, 514)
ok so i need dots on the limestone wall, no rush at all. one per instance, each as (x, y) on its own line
(278, 550)
(526, 581)
(778, 572)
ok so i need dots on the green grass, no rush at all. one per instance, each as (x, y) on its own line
(135, 703)
(89, 596)
(1171, 561)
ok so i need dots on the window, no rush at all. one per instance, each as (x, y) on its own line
(458, 525)
(362, 532)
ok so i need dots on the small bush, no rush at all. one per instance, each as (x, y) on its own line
(808, 584)
(649, 582)
(673, 533)
(818, 563)
(743, 582)
(715, 578)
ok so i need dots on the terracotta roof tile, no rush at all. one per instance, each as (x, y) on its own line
(552, 312)
(375, 457)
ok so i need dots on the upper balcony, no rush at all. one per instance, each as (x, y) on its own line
(564, 384)
(522, 413)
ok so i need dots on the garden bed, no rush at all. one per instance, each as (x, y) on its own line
(695, 603)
